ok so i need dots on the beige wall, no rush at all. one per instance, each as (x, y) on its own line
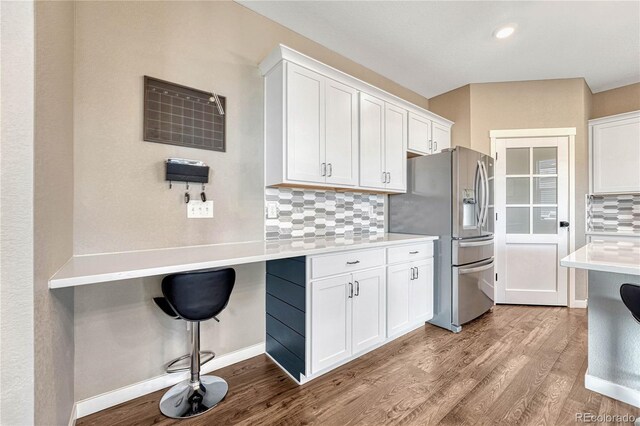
(479, 108)
(121, 199)
(616, 101)
(456, 106)
(16, 213)
(53, 221)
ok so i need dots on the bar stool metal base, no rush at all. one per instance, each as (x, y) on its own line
(186, 400)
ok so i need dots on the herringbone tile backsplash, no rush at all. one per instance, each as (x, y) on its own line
(309, 213)
(613, 213)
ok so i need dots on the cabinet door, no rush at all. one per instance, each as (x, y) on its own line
(330, 322)
(398, 277)
(368, 309)
(395, 159)
(421, 292)
(371, 142)
(419, 133)
(441, 136)
(616, 156)
(305, 125)
(341, 133)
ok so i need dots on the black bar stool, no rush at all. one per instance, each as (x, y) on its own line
(195, 297)
(630, 294)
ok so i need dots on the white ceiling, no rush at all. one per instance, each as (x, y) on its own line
(433, 47)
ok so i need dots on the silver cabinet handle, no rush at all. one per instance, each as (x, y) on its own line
(355, 262)
(323, 169)
(435, 145)
(350, 291)
(417, 272)
(430, 145)
(384, 177)
(413, 274)
(414, 252)
(330, 170)
(388, 177)
(357, 288)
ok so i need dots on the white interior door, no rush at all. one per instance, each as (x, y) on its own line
(531, 201)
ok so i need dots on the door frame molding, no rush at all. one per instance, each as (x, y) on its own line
(570, 133)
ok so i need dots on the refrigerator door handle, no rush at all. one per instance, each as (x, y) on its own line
(485, 194)
(476, 243)
(477, 181)
(476, 269)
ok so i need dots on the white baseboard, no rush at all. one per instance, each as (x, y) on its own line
(612, 390)
(127, 393)
(74, 415)
(579, 304)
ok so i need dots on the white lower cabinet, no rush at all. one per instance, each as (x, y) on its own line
(330, 321)
(354, 311)
(409, 295)
(368, 309)
(347, 316)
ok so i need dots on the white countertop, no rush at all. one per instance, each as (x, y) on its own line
(97, 268)
(621, 257)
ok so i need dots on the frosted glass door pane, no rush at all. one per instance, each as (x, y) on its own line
(518, 161)
(544, 190)
(545, 160)
(518, 190)
(517, 220)
(545, 220)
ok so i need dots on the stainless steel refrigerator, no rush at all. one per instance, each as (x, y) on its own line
(448, 196)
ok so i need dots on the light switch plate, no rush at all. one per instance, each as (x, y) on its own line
(272, 210)
(197, 209)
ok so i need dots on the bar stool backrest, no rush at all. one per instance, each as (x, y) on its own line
(630, 294)
(199, 295)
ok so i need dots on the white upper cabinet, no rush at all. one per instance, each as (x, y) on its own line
(427, 136)
(305, 125)
(341, 133)
(383, 145)
(615, 153)
(395, 151)
(325, 128)
(440, 137)
(371, 142)
(419, 134)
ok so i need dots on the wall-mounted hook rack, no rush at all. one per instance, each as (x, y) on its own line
(183, 170)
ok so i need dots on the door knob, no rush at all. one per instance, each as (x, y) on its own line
(564, 224)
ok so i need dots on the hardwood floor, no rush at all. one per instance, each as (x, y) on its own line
(516, 365)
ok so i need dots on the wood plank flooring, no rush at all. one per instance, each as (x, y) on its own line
(516, 365)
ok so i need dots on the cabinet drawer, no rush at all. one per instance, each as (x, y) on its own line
(409, 252)
(333, 264)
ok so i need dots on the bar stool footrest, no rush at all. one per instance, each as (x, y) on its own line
(205, 356)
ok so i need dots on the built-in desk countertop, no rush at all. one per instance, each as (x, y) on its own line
(97, 268)
(621, 257)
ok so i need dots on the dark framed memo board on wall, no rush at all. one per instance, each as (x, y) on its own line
(181, 115)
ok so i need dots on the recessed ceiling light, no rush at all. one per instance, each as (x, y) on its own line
(504, 32)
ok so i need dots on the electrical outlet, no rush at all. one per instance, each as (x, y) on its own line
(272, 210)
(197, 209)
(372, 211)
